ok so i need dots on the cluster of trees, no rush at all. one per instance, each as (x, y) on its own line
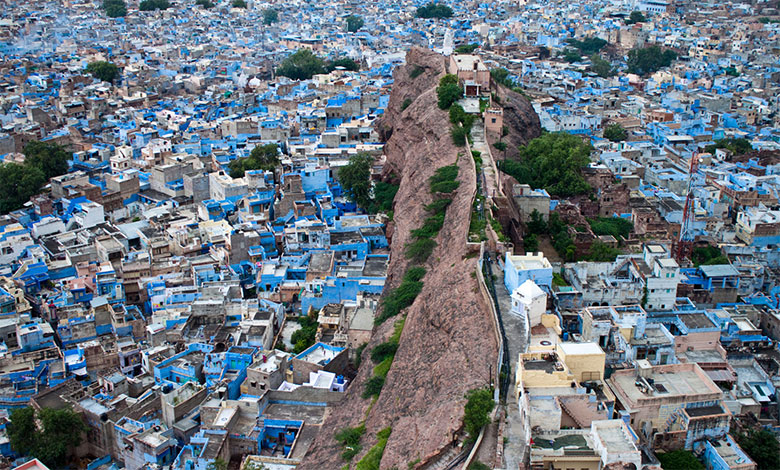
(615, 226)
(466, 48)
(449, 91)
(239, 4)
(104, 71)
(355, 180)
(587, 46)
(556, 229)
(263, 157)
(707, 255)
(304, 64)
(354, 23)
(434, 10)
(20, 182)
(48, 435)
(646, 60)
(636, 17)
(554, 162)
(615, 132)
(150, 5)
(270, 16)
(735, 146)
(762, 446)
(679, 459)
(601, 67)
(115, 8)
(204, 3)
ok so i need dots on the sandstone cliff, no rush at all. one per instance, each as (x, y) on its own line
(448, 344)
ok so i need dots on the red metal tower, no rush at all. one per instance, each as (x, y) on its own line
(685, 241)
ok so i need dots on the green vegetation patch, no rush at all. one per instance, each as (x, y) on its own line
(402, 296)
(476, 414)
(349, 438)
(679, 460)
(615, 226)
(371, 460)
(434, 10)
(553, 162)
(736, 146)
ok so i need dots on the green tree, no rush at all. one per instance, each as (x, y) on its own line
(735, 146)
(615, 132)
(501, 76)
(115, 8)
(204, 3)
(587, 46)
(615, 226)
(600, 251)
(104, 71)
(149, 5)
(601, 67)
(679, 460)
(434, 10)
(636, 17)
(302, 65)
(239, 4)
(59, 431)
(466, 48)
(270, 16)
(476, 414)
(501, 146)
(354, 23)
(448, 91)
(762, 446)
(531, 243)
(344, 62)
(571, 55)
(263, 157)
(644, 61)
(50, 158)
(355, 179)
(554, 162)
(304, 337)
(17, 184)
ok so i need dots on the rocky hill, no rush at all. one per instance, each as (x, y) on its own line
(448, 345)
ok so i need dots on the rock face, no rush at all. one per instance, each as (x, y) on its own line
(448, 345)
(520, 119)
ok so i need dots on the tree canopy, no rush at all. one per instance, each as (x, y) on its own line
(476, 415)
(239, 4)
(646, 60)
(59, 432)
(762, 446)
(345, 62)
(466, 48)
(636, 17)
(354, 23)
(204, 3)
(615, 132)
(571, 55)
(554, 162)
(448, 91)
(708, 255)
(679, 460)
(587, 46)
(270, 16)
(104, 71)
(434, 10)
(263, 157)
(149, 5)
(501, 76)
(355, 179)
(115, 8)
(302, 65)
(735, 146)
(601, 66)
(51, 159)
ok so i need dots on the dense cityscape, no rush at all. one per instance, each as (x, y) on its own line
(242, 234)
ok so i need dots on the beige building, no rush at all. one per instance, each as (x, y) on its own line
(651, 395)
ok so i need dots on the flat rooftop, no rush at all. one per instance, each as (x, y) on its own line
(668, 382)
